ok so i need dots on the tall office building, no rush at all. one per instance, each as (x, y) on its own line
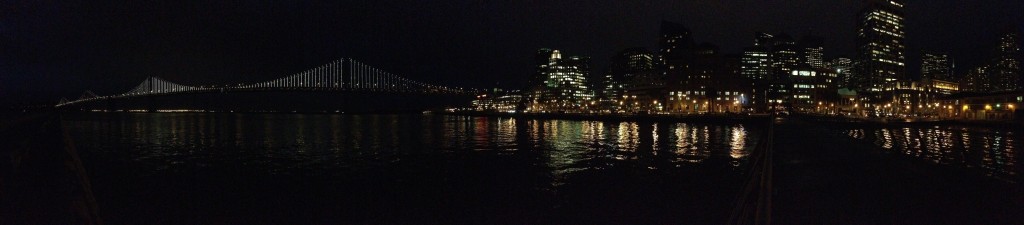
(976, 80)
(937, 66)
(756, 63)
(785, 57)
(1006, 65)
(541, 61)
(676, 41)
(625, 67)
(676, 50)
(813, 51)
(843, 68)
(564, 82)
(881, 45)
(756, 66)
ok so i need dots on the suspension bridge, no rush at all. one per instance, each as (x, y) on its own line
(341, 76)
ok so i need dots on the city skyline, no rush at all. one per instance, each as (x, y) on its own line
(512, 112)
(73, 69)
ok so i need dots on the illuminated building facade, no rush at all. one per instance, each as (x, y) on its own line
(717, 86)
(627, 66)
(881, 45)
(785, 57)
(756, 63)
(1006, 65)
(814, 90)
(498, 100)
(844, 69)
(756, 66)
(676, 49)
(976, 80)
(916, 98)
(1003, 73)
(941, 87)
(646, 92)
(937, 66)
(1003, 106)
(813, 51)
(564, 86)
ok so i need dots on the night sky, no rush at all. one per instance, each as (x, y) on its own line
(53, 49)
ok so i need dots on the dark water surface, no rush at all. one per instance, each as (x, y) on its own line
(990, 152)
(322, 168)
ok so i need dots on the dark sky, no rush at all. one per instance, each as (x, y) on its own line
(52, 49)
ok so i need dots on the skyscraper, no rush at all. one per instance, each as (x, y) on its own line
(564, 86)
(1006, 65)
(937, 66)
(676, 41)
(844, 70)
(756, 63)
(756, 67)
(813, 51)
(785, 54)
(541, 61)
(625, 67)
(785, 57)
(976, 80)
(881, 45)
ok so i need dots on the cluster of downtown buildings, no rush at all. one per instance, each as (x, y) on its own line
(777, 73)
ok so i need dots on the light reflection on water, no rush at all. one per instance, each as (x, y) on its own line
(991, 151)
(284, 143)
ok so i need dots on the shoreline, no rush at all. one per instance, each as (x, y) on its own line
(736, 118)
(740, 118)
(911, 122)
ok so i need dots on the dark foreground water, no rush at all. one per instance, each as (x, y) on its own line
(986, 151)
(242, 168)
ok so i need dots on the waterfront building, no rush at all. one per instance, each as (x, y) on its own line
(498, 100)
(625, 67)
(881, 45)
(564, 86)
(942, 87)
(717, 85)
(914, 98)
(814, 90)
(1002, 106)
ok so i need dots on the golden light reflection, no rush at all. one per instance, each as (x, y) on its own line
(738, 143)
(283, 142)
(993, 151)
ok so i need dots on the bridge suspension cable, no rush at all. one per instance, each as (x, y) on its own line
(156, 85)
(340, 75)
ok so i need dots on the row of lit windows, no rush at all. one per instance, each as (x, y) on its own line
(805, 73)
